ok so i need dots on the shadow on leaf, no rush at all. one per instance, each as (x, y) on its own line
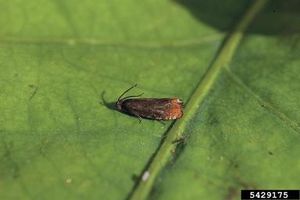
(278, 17)
(109, 105)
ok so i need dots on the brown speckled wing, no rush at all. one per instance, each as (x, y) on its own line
(152, 108)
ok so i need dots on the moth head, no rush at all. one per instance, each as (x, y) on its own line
(121, 99)
(119, 104)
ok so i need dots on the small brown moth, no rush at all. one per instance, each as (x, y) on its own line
(150, 108)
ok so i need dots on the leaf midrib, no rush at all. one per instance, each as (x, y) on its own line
(222, 59)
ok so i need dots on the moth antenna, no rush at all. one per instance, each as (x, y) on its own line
(126, 91)
(133, 96)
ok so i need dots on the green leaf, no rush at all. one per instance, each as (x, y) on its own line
(64, 62)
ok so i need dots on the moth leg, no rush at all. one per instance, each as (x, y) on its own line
(162, 122)
(140, 119)
(136, 115)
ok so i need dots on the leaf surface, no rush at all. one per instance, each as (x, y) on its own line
(62, 61)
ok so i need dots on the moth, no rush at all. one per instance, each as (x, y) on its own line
(150, 108)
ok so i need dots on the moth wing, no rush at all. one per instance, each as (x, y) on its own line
(161, 109)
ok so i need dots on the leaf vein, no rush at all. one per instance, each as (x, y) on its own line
(96, 42)
(268, 106)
